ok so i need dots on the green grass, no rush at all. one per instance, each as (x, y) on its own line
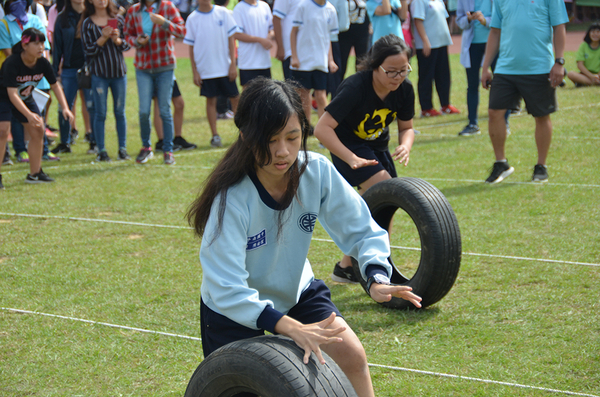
(526, 322)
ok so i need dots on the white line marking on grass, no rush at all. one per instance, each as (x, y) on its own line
(522, 258)
(529, 183)
(100, 323)
(439, 374)
(495, 382)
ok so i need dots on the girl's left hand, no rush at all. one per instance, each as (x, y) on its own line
(157, 19)
(68, 115)
(384, 293)
(401, 154)
(333, 67)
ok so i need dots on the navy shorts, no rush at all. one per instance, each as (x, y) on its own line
(314, 79)
(221, 86)
(247, 75)
(357, 176)
(217, 330)
(8, 111)
(539, 96)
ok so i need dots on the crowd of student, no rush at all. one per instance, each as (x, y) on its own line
(314, 39)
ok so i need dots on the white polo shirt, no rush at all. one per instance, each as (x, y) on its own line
(254, 20)
(208, 33)
(285, 10)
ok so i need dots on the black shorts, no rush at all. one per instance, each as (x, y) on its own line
(217, 330)
(357, 176)
(315, 79)
(220, 86)
(539, 96)
(8, 111)
(247, 75)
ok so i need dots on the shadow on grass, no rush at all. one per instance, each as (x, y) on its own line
(429, 140)
(473, 188)
(369, 316)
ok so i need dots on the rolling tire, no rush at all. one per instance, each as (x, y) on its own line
(438, 231)
(267, 366)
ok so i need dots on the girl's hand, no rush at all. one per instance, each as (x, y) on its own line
(359, 162)
(295, 63)
(333, 67)
(401, 154)
(35, 120)
(309, 337)
(266, 43)
(197, 79)
(232, 72)
(143, 40)
(157, 19)
(426, 48)
(68, 115)
(384, 293)
(107, 31)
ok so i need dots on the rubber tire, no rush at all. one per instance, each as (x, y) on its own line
(267, 366)
(438, 230)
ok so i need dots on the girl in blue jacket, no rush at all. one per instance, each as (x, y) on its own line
(256, 216)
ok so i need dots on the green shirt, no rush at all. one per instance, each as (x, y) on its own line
(589, 56)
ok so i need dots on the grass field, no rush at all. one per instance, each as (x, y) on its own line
(108, 243)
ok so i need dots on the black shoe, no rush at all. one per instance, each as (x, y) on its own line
(540, 173)
(62, 148)
(500, 170)
(103, 156)
(343, 274)
(145, 155)
(183, 144)
(159, 146)
(470, 129)
(87, 137)
(7, 160)
(93, 149)
(40, 177)
(1, 185)
(74, 135)
(122, 156)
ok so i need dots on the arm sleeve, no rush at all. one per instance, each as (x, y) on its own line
(461, 14)
(124, 45)
(346, 100)
(371, 6)
(347, 219)
(280, 8)
(231, 25)
(189, 38)
(90, 48)
(580, 55)
(418, 10)
(4, 36)
(224, 274)
(407, 111)
(174, 23)
(558, 13)
(333, 25)
(298, 17)
(496, 16)
(130, 30)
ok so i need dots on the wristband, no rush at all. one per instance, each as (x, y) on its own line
(379, 279)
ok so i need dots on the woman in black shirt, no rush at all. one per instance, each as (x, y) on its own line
(19, 76)
(355, 125)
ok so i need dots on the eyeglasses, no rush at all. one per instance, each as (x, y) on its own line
(396, 73)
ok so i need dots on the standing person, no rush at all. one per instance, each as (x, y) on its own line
(588, 59)
(103, 44)
(68, 57)
(343, 18)
(357, 35)
(210, 35)
(386, 17)
(432, 39)
(283, 14)
(525, 69)
(151, 26)
(255, 36)
(355, 126)
(19, 76)
(257, 214)
(312, 58)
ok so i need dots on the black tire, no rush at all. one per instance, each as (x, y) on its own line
(438, 231)
(267, 366)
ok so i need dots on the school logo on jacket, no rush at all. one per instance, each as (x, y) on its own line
(373, 125)
(257, 241)
(307, 221)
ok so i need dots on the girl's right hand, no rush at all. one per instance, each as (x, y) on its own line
(107, 31)
(359, 162)
(295, 63)
(309, 337)
(35, 120)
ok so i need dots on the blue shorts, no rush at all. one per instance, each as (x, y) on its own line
(220, 86)
(357, 176)
(217, 330)
(247, 75)
(8, 111)
(314, 79)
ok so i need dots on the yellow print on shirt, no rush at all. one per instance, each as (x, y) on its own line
(373, 125)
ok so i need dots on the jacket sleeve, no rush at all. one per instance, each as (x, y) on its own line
(461, 14)
(57, 50)
(130, 30)
(174, 23)
(90, 47)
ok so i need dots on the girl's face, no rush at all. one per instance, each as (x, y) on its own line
(34, 49)
(595, 35)
(392, 65)
(99, 4)
(284, 147)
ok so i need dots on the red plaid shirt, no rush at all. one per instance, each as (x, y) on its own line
(159, 52)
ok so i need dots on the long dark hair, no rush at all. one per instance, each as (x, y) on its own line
(384, 47)
(63, 16)
(593, 26)
(29, 35)
(264, 109)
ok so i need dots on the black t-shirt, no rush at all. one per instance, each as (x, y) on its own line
(77, 57)
(363, 117)
(14, 73)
